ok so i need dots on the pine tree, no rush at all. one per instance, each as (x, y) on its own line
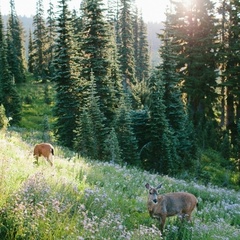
(66, 78)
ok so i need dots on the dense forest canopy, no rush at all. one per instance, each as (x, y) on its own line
(112, 104)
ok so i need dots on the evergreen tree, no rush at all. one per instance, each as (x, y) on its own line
(30, 53)
(126, 49)
(112, 149)
(15, 46)
(8, 93)
(93, 124)
(142, 61)
(40, 38)
(229, 63)
(162, 155)
(175, 110)
(51, 36)
(194, 28)
(66, 78)
(125, 133)
(96, 46)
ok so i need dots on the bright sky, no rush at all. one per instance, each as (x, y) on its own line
(152, 10)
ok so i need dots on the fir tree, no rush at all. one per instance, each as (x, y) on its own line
(96, 46)
(162, 155)
(30, 53)
(15, 46)
(126, 49)
(125, 133)
(8, 93)
(66, 78)
(194, 29)
(40, 38)
(176, 112)
(51, 36)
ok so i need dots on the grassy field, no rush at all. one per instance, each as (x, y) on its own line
(81, 199)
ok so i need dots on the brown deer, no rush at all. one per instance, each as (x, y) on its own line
(169, 204)
(44, 149)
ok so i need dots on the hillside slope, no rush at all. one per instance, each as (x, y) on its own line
(83, 199)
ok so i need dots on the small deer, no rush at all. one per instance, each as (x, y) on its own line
(44, 149)
(169, 204)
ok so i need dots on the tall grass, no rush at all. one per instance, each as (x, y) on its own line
(83, 199)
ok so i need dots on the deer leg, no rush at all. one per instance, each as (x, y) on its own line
(48, 159)
(162, 222)
(36, 157)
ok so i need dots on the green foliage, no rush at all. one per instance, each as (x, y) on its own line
(215, 169)
(35, 110)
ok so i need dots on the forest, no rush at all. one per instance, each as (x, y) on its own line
(109, 103)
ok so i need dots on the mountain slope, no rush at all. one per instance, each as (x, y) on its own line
(83, 199)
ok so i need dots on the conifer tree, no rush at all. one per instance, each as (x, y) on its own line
(229, 63)
(125, 133)
(66, 77)
(30, 53)
(143, 60)
(96, 47)
(112, 151)
(176, 112)
(8, 93)
(51, 36)
(40, 38)
(162, 155)
(193, 25)
(15, 46)
(126, 49)
(91, 123)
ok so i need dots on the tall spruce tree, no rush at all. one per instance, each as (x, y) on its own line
(176, 112)
(66, 78)
(9, 97)
(30, 53)
(125, 133)
(162, 155)
(40, 38)
(15, 46)
(90, 130)
(194, 28)
(229, 63)
(51, 36)
(96, 47)
(126, 49)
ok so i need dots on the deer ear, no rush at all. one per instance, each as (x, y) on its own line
(159, 186)
(147, 185)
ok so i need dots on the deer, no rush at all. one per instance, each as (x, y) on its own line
(169, 204)
(44, 149)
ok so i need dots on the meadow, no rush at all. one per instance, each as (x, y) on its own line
(80, 199)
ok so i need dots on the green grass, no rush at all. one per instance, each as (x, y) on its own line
(37, 104)
(83, 199)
